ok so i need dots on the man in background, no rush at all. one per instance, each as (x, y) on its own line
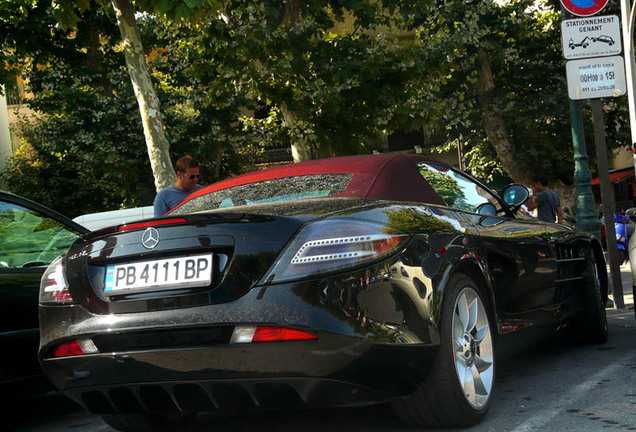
(545, 200)
(187, 182)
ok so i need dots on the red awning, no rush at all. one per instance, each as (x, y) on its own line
(616, 175)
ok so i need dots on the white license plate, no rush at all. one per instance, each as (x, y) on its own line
(159, 274)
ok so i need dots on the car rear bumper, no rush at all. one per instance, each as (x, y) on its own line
(376, 338)
(332, 371)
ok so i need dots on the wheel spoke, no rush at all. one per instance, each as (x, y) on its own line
(469, 386)
(462, 312)
(482, 365)
(458, 328)
(459, 349)
(487, 377)
(461, 370)
(480, 388)
(473, 312)
(481, 333)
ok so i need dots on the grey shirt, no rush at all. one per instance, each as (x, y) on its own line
(547, 204)
(170, 197)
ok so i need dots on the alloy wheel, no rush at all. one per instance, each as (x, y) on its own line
(473, 348)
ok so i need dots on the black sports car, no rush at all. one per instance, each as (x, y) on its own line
(336, 282)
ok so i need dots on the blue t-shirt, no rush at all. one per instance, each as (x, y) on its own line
(170, 197)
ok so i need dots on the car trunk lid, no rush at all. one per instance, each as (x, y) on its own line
(227, 253)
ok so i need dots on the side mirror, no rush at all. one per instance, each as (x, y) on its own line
(631, 214)
(515, 194)
(487, 209)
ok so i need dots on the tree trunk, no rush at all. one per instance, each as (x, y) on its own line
(156, 142)
(495, 125)
(301, 149)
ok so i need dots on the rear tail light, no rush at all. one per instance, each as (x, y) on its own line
(74, 348)
(334, 245)
(255, 334)
(53, 285)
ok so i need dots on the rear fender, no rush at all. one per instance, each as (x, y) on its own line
(475, 269)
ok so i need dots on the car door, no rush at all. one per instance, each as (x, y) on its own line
(31, 236)
(516, 251)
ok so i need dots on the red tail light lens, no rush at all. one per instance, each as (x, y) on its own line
(53, 285)
(257, 334)
(74, 348)
(328, 246)
(66, 349)
(153, 223)
(278, 334)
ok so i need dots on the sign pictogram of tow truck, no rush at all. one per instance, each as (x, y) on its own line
(587, 40)
(598, 36)
(583, 44)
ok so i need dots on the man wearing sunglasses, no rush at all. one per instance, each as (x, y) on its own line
(187, 178)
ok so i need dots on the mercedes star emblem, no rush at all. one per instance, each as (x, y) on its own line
(150, 238)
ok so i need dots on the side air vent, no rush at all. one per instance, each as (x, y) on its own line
(570, 265)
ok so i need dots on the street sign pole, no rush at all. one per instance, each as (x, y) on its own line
(587, 219)
(608, 202)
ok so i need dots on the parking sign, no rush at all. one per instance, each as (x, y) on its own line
(584, 8)
(596, 36)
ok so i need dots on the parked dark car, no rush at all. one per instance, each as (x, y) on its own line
(605, 39)
(335, 282)
(31, 236)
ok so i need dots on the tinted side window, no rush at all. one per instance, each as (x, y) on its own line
(456, 190)
(30, 238)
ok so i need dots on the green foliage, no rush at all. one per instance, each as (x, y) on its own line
(86, 150)
(522, 40)
(238, 76)
(180, 9)
(80, 154)
(344, 84)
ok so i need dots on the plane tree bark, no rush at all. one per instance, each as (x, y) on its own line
(495, 127)
(149, 107)
(494, 123)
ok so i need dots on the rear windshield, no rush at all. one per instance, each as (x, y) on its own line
(269, 191)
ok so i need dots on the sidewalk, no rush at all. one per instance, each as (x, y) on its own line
(628, 289)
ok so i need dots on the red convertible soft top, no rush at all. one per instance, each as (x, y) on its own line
(384, 176)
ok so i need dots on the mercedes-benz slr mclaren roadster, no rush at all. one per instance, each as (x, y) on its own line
(338, 282)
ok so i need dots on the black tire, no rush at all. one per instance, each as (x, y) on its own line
(592, 326)
(144, 422)
(466, 344)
